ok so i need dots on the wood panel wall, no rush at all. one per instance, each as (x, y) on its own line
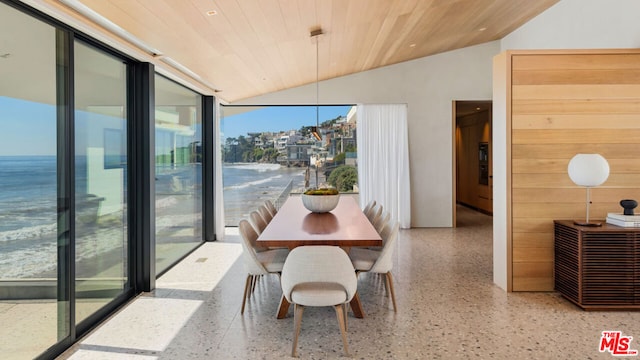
(564, 103)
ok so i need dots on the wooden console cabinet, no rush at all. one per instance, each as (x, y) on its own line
(598, 268)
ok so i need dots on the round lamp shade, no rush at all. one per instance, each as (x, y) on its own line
(588, 169)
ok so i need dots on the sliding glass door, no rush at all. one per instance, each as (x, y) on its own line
(30, 289)
(178, 171)
(64, 251)
(101, 231)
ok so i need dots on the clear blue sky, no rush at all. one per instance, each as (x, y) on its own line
(276, 118)
(32, 126)
(29, 128)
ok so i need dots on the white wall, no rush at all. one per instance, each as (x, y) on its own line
(428, 86)
(570, 24)
(580, 24)
(499, 163)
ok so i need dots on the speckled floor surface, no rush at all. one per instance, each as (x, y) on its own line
(448, 308)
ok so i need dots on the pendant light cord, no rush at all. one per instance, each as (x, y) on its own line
(317, 103)
(317, 84)
(315, 34)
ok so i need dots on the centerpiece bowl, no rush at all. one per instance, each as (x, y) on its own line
(320, 200)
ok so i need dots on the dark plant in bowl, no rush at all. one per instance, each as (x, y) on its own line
(322, 191)
(320, 200)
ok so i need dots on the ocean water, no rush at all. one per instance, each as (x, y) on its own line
(248, 185)
(28, 207)
(28, 196)
(28, 219)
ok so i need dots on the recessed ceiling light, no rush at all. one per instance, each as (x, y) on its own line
(212, 12)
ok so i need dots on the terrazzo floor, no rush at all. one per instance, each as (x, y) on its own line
(448, 308)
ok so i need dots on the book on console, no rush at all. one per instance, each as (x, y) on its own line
(618, 222)
(623, 217)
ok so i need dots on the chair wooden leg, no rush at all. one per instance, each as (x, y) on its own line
(247, 285)
(346, 316)
(392, 293)
(297, 321)
(386, 284)
(343, 328)
(253, 285)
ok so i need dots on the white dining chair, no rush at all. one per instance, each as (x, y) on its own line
(259, 224)
(264, 212)
(374, 213)
(318, 276)
(272, 209)
(257, 221)
(379, 224)
(257, 263)
(379, 261)
(381, 221)
(368, 207)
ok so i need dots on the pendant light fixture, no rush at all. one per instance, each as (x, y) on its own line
(315, 37)
(315, 130)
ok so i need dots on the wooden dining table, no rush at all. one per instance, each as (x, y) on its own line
(345, 226)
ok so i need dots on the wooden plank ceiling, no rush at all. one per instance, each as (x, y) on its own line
(245, 48)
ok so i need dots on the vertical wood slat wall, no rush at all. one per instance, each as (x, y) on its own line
(564, 103)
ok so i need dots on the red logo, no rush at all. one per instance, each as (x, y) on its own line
(617, 344)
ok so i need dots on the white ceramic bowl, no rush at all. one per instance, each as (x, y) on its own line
(320, 203)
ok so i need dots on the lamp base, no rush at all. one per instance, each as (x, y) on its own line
(587, 223)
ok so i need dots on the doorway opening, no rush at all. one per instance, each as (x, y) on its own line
(472, 152)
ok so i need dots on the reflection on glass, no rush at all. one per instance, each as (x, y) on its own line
(100, 169)
(28, 188)
(178, 172)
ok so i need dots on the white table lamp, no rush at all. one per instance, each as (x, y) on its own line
(588, 170)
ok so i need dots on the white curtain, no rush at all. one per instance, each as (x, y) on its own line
(219, 201)
(383, 159)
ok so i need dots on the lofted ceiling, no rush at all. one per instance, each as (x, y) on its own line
(244, 48)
